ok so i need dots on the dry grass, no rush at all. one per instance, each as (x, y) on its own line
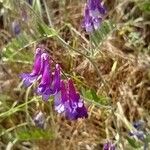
(126, 70)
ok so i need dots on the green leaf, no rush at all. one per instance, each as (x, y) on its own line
(134, 143)
(145, 6)
(13, 51)
(34, 134)
(92, 96)
(37, 7)
(7, 4)
(103, 32)
(147, 139)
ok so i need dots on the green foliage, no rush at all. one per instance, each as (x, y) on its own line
(7, 4)
(34, 134)
(147, 139)
(103, 32)
(92, 96)
(13, 51)
(37, 7)
(135, 144)
(145, 6)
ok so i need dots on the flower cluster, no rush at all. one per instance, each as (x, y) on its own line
(139, 132)
(66, 99)
(94, 11)
(109, 146)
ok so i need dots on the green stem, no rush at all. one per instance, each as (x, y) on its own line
(89, 58)
(48, 14)
(15, 109)
(26, 102)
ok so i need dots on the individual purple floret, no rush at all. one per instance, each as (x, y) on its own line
(16, 29)
(56, 79)
(50, 83)
(94, 11)
(96, 8)
(109, 146)
(39, 120)
(69, 102)
(139, 134)
(76, 107)
(139, 124)
(61, 98)
(46, 80)
(30, 78)
(88, 21)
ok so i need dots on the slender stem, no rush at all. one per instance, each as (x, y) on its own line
(48, 14)
(15, 109)
(91, 45)
(89, 58)
(13, 128)
(26, 102)
(54, 127)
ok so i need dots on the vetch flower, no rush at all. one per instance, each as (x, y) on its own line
(139, 134)
(69, 102)
(76, 108)
(94, 12)
(16, 28)
(88, 21)
(29, 78)
(55, 86)
(39, 120)
(109, 146)
(96, 8)
(139, 124)
(44, 86)
(50, 83)
(61, 98)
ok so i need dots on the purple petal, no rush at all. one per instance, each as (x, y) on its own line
(16, 28)
(64, 93)
(109, 146)
(37, 63)
(59, 106)
(28, 79)
(96, 23)
(87, 22)
(39, 120)
(57, 79)
(81, 110)
(72, 92)
(46, 75)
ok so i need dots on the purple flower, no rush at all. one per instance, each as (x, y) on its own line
(88, 21)
(56, 80)
(50, 83)
(96, 8)
(139, 134)
(139, 124)
(69, 102)
(39, 120)
(29, 78)
(94, 12)
(109, 146)
(61, 98)
(16, 27)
